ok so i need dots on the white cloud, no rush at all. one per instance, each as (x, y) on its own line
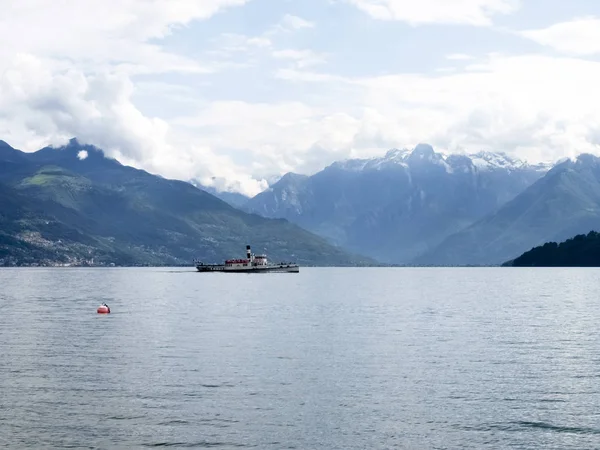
(301, 58)
(537, 108)
(39, 106)
(82, 154)
(101, 32)
(274, 138)
(65, 103)
(295, 23)
(472, 12)
(69, 74)
(577, 37)
(254, 50)
(459, 57)
(288, 24)
(445, 69)
(85, 82)
(231, 42)
(240, 51)
(259, 42)
(80, 83)
(304, 76)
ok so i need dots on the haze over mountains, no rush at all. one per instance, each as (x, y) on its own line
(73, 205)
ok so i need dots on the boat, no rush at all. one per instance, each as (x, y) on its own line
(251, 264)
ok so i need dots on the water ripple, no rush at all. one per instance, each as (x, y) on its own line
(342, 359)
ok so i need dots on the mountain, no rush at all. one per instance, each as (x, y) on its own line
(400, 206)
(565, 202)
(285, 198)
(73, 204)
(580, 251)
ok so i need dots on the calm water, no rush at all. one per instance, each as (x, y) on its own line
(328, 358)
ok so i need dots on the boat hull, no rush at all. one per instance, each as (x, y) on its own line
(272, 268)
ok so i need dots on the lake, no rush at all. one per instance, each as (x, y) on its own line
(329, 358)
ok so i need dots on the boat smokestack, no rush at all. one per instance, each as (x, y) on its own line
(248, 252)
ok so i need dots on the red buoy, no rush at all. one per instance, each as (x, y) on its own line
(103, 309)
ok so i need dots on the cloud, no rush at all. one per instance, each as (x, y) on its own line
(301, 58)
(274, 138)
(99, 32)
(577, 37)
(239, 50)
(258, 49)
(71, 75)
(81, 83)
(534, 107)
(289, 24)
(459, 57)
(305, 76)
(98, 110)
(539, 108)
(292, 22)
(110, 77)
(471, 12)
(81, 155)
(445, 69)
(65, 103)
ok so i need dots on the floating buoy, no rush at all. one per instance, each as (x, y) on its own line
(103, 309)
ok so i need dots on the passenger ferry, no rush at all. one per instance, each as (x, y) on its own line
(251, 264)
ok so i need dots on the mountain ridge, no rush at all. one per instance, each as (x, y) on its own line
(483, 160)
(565, 202)
(122, 215)
(399, 206)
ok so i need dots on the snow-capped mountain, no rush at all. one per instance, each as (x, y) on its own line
(501, 161)
(398, 206)
(482, 161)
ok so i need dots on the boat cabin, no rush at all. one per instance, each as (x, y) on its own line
(237, 262)
(260, 260)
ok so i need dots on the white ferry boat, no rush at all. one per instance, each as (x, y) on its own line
(251, 264)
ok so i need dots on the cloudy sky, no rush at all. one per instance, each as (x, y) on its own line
(234, 91)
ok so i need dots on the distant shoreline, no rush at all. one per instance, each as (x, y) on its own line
(382, 266)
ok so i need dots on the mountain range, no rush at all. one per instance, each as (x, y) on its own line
(402, 206)
(413, 207)
(562, 204)
(74, 205)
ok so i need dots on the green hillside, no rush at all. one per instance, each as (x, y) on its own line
(56, 208)
(580, 251)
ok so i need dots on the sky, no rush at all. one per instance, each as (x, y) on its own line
(232, 93)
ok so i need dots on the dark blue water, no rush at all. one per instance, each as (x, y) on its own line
(328, 358)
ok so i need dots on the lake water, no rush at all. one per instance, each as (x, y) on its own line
(324, 359)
